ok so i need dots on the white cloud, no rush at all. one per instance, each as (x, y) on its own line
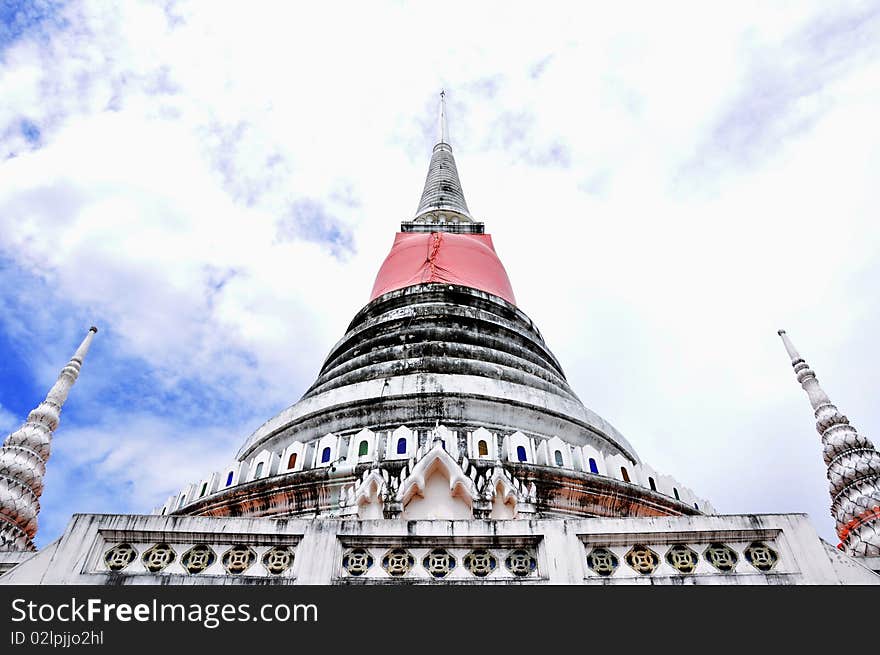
(661, 210)
(129, 461)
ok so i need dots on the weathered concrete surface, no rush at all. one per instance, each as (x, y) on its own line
(321, 493)
(436, 352)
(9, 559)
(559, 549)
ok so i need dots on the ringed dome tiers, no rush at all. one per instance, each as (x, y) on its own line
(440, 373)
(436, 352)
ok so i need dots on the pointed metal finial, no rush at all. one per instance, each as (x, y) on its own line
(23, 459)
(444, 130)
(789, 347)
(853, 466)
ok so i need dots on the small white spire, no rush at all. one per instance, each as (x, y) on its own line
(853, 466)
(23, 459)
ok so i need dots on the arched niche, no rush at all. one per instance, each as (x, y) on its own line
(437, 488)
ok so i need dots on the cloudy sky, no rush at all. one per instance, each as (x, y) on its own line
(215, 187)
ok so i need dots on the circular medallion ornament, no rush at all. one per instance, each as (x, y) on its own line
(158, 557)
(480, 562)
(238, 559)
(602, 561)
(398, 562)
(198, 558)
(521, 562)
(439, 562)
(120, 556)
(357, 561)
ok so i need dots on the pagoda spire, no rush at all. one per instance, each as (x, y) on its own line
(23, 459)
(853, 466)
(442, 200)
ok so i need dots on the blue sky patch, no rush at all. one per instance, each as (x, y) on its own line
(25, 18)
(39, 332)
(310, 220)
(30, 131)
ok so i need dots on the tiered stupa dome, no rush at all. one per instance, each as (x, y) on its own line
(439, 373)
